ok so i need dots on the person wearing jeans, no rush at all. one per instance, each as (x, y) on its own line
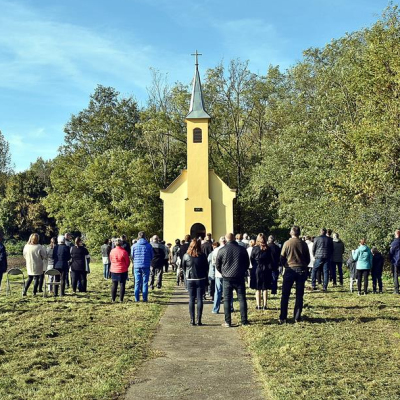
(142, 254)
(105, 256)
(195, 265)
(142, 276)
(232, 262)
(218, 277)
(240, 286)
(363, 257)
(323, 265)
(322, 251)
(211, 271)
(295, 256)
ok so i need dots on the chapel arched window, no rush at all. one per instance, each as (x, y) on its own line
(197, 135)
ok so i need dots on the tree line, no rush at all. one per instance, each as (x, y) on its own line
(315, 145)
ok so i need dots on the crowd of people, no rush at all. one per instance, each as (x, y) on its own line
(215, 268)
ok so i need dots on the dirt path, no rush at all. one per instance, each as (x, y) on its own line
(196, 362)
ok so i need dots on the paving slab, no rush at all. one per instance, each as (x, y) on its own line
(195, 362)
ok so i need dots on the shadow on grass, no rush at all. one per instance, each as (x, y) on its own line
(316, 320)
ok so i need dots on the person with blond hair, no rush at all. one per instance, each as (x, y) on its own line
(35, 256)
(262, 275)
(195, 266)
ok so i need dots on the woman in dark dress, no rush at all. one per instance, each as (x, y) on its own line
(79, 255)
(261, 277)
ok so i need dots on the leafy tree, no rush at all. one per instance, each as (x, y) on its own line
(114, 194)
(21, 208)
(333, 158)
(109, 121)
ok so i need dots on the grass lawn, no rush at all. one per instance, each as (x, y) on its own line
(348, 346)
(76, 347)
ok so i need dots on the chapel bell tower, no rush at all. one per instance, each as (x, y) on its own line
(197, 201)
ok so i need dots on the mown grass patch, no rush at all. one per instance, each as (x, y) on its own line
(75, 347)
(348, 346)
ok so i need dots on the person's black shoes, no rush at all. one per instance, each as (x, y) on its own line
(282, 322)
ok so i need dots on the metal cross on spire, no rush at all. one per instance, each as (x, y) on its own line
(197, 57)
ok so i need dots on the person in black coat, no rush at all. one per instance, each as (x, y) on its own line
(3, 258)
(275, 263)
(61, 257)
(262, 276)
(322, 251)
(125, 244)
(195, 265)
(206, 247)
(79, 259)
(377, 269)
(184, 247)
(233, 262)
(157, 263)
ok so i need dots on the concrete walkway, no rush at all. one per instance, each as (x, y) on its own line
(196, 362)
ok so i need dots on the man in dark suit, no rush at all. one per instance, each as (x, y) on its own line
(232, 262)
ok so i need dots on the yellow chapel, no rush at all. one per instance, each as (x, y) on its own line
(197, 201)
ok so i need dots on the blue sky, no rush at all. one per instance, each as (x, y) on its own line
(53, 54)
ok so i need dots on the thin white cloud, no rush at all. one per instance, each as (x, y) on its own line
(15, 141)
(41, 52)
(37, 133)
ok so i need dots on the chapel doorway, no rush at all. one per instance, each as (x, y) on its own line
(198, 230)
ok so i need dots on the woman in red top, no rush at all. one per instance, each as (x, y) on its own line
(119, 270)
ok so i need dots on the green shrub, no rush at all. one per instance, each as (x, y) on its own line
(14, 247)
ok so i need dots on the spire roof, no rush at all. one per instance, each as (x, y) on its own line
(196, 110)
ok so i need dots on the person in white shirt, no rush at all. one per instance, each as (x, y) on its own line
(218, 278)
(312, 258)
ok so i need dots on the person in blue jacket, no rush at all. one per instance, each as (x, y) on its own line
(363, 257)
(142, 254)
